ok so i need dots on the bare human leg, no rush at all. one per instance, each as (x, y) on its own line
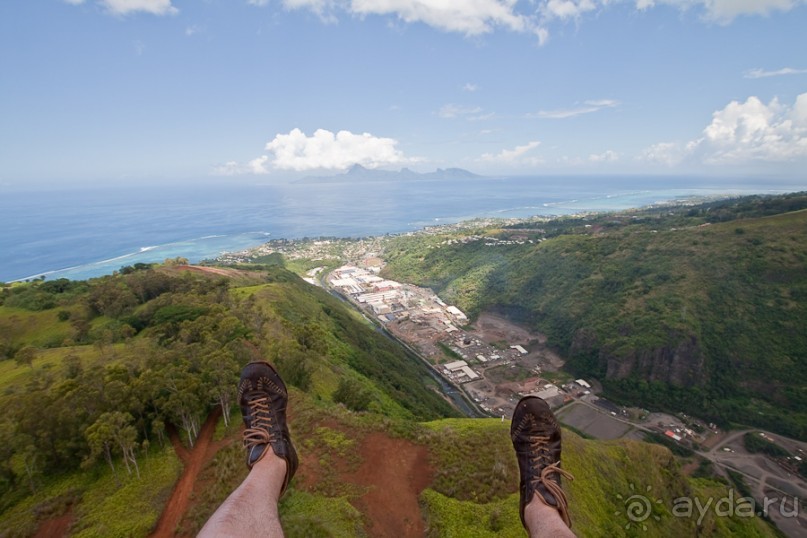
(251, 510)
(544, 521)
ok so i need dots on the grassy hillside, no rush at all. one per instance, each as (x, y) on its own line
(91, 370)
(473, 491)
(141, 359)
(700, 309)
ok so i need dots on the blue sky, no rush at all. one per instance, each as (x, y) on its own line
(116, 90)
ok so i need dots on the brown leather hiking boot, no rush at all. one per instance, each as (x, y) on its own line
(263, 397)
(536, 438)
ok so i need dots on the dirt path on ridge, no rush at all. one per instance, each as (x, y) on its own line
(395, 471)
(194, 460)
(55, 527)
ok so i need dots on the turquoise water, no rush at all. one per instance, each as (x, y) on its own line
(85, 232)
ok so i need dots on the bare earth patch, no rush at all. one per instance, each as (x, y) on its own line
(194, 461)
(56, 527)
(395, 471)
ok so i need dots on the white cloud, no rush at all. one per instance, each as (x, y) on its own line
(666, 153)
(542, 34)
(470, 17)
(568, 9)
(586, 108)
(478, 17)
(193, 30)
(512, 156)
(608, 156)
(125, 7)
(725, 11)
(752, 130)
(743, 133)
(452, 111)
(323, 150)
(296, 151)
(761, 73)
(258, 166)
(230, 168)
(468, 87)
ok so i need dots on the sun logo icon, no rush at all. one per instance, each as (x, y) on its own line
(638, 508)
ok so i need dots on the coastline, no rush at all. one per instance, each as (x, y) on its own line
(298, 216)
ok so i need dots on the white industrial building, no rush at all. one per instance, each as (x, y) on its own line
(456, 365)
(457, 313)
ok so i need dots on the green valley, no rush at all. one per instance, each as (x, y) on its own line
(117, 389)
(698, 309)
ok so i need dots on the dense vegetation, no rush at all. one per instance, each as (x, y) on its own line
(100, 380)
(100, 371)
(698, 309)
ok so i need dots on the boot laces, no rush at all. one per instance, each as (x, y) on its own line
(261, 431)
(540, 458)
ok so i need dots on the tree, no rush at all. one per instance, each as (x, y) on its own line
(177, 392)
(99, 438)
(353, 395)
(25, 356)
(220, 371)
(72, 366)
(111, 430)
(125, 435)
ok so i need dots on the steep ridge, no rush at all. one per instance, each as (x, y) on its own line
(165, 346)
(697, 309)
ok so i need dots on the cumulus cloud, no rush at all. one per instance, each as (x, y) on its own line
(761, 73)
(756, 131)
(470, 17)
(512, 156)
(323, 150)
(469, 87)
(743, 133)
(586, 108)
(569, 9)
(125, 7)
(296, 151)
(479, 17)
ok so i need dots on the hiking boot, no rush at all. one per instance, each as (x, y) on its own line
(536, 439)
(263, 397)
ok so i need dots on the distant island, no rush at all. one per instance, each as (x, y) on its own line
(358, 173)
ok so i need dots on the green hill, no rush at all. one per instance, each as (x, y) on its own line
(112, 389)
(698, 309)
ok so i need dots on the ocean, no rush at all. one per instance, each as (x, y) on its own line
(88, 231)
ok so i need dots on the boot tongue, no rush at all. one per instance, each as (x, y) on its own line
(255, 454)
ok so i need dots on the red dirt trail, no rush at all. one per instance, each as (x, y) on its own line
(395, 471)
(58, 526)
(194, 461)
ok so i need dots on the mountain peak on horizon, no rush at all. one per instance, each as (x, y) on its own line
(362, 173)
